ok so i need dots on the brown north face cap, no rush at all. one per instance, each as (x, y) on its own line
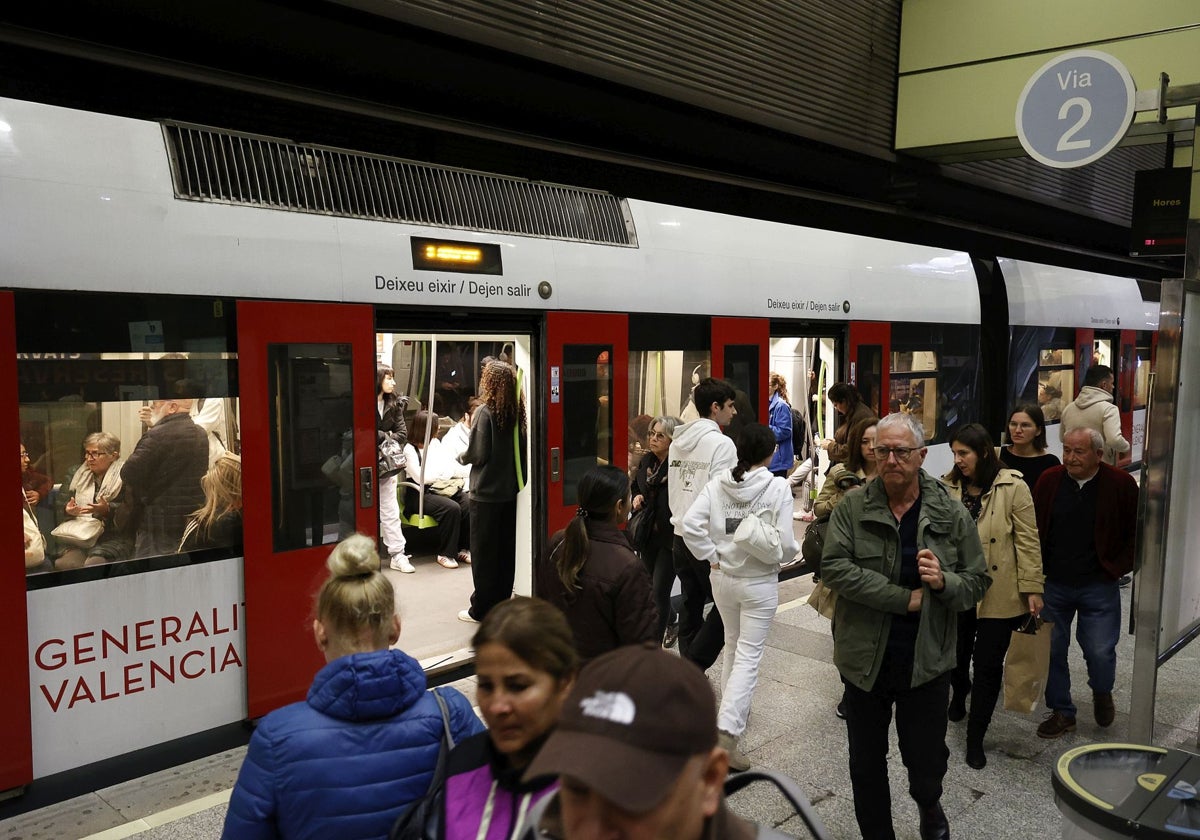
(633, 719)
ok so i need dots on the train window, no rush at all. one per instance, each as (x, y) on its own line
(442, 372)
(1141, 370)
(660, 385)
(311, 403)
(126, 404)
(587, 413)
(742, 371)
(1056, 380)
(934, 375)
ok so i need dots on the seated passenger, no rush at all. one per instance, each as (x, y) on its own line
(35, 544)
(163, 475)
(363, 746)
(34, 485)
(458, 437)
(444, 498)
(525, 664)
(219, 522)
(96, 490)
(592, 574)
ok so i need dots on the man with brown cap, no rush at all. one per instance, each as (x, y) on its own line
(636, 747)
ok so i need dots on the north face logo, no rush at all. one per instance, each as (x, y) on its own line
(616, 706)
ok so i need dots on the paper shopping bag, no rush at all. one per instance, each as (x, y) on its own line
(1026, 666)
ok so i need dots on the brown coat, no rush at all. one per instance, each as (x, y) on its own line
(1011, 548)
(612, 604)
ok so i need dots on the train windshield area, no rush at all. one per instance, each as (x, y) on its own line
(439, 376)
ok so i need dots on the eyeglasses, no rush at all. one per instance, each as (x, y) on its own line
(92, 454)
(902, 453)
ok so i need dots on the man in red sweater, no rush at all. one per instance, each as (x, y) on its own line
(1087, 519)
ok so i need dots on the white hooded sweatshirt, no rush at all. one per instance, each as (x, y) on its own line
(1094, 408)
(698, 451)
(709, 524)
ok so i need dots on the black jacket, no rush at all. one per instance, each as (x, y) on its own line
(654, 489)
(163, 474)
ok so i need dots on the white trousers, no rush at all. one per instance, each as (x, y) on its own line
(389, 515)
(747, 606)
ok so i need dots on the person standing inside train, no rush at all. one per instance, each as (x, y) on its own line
(592, 575)
(650, 490)
(848, 403)
(1026, 450)
(779, 414)
(363, 745)
(496, 455)
(390, 425)
(163, 475)
(1002, 507)
(1094, 409)
(698, 451)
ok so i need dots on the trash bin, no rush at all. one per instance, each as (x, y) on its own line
(1107, 791)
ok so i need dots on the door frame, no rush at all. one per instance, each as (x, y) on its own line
(281, 656)
(870, 334)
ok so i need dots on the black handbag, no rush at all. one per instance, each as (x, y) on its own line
(640, 527)
(814, 544)
(391, 457)
(422, 819)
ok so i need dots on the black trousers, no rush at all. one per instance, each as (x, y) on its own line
(453, 515)
(960, 677)
(493, 554)
(921, 726)
(700, 638)
(661, 566)
(992, 636)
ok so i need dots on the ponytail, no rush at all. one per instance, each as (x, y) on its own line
(755, 444)
(600, 490)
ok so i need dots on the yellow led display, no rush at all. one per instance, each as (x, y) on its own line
(448, 255)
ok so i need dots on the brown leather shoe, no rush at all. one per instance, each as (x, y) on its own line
(1056, 725)
(1102, 707)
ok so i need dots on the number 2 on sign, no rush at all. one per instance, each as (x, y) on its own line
(1065, 143)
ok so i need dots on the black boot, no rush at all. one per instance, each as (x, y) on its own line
(976, 757)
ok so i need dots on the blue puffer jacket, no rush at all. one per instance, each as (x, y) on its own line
(781, 425)
(348, 760)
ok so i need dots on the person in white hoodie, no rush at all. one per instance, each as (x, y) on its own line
(745, 586)
(1094, 409)
(698, 451)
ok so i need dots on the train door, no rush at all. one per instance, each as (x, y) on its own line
(307, 380)
(584, 396)
(809, 365)
(16, 742)
(869, 350)
(439, 373)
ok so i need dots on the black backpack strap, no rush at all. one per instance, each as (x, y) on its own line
(791, 792)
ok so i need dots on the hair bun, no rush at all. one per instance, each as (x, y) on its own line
(354, 556)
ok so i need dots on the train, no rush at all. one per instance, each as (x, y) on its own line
(268, 278)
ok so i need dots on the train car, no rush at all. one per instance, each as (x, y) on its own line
(259, 282)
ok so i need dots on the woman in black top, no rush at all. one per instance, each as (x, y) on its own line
(1026, 451)
(389, 409)
(650, 491)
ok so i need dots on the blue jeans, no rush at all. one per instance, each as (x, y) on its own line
(1098, 606)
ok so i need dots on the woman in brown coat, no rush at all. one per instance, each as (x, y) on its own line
(999, 501)
(592, 574)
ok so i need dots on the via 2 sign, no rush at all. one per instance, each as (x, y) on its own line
(1075, 109)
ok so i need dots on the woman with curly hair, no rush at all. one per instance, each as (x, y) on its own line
(496, 455)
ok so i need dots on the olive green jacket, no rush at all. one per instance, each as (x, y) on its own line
(861, 562)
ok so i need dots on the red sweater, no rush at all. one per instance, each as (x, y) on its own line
(1116, 514)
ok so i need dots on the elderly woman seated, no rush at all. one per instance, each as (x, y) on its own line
(94, 493)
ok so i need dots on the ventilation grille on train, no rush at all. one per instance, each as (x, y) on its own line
(227, 167)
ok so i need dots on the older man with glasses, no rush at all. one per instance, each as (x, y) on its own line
(904, 559)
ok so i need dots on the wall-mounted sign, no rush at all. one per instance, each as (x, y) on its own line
(1075, 109)
(1160, 212)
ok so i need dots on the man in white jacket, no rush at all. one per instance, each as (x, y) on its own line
(698, 450)
(1094, 409)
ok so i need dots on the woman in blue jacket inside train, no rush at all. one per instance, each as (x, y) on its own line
(779, 413)
(364, 744)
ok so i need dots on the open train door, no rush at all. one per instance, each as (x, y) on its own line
(870, 346)
(741, 354)
(16, 742)
(307, 383)
(587, 401)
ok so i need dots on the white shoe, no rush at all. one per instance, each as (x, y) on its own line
(400, 563)
(803, 516)
(465, 615)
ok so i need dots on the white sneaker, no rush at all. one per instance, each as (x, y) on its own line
(400, 563)
(465, 615)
